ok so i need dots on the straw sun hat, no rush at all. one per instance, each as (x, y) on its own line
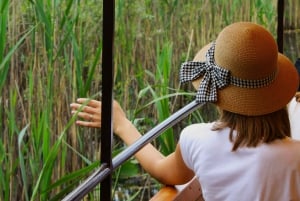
(242, 71)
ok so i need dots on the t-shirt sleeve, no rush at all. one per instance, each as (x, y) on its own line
(191, 142)
(185, 146)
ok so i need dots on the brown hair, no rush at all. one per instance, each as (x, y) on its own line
(253, 130)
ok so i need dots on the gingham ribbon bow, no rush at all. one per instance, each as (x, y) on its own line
(214, 77)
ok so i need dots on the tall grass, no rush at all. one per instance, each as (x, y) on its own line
(50, 54)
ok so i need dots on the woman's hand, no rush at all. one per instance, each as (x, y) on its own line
(89, 112)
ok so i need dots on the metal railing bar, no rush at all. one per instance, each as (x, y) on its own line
(88, 185)
(100, 174)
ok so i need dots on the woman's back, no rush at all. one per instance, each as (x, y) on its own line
(266, 172)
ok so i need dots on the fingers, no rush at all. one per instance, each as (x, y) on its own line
(82, 108)
(84, 115)
(88, 124)
(86, 105)
(91, 103)
(88, 111)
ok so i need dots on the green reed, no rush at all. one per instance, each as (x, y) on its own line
(160, 89)
(50, 54)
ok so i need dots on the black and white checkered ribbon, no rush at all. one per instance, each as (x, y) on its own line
(215, 77)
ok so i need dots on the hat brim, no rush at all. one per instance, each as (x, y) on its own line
(257, 101)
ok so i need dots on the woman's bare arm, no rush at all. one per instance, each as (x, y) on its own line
(168, 170)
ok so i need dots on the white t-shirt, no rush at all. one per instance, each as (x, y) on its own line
(294, 115)
(269, 172)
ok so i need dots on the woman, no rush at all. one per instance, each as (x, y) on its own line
(246, 155)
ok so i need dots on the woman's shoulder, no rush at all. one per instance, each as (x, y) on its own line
(199, 131)
(199, 127)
